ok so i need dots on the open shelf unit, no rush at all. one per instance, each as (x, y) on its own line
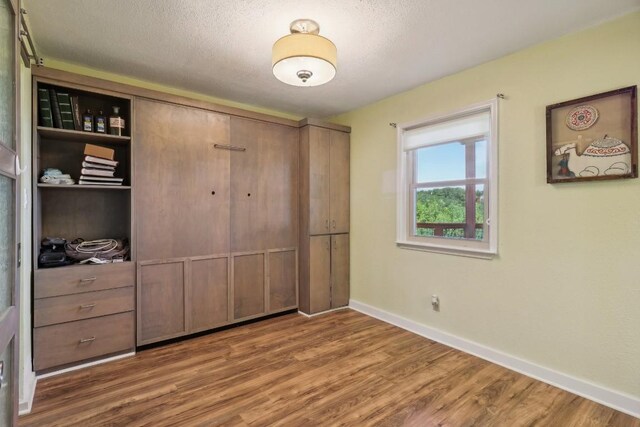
(80, 211)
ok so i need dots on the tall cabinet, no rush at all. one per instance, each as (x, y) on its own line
(324, 217)
(217, 211)
(81, 312)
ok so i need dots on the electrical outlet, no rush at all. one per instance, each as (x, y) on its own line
(435, 302)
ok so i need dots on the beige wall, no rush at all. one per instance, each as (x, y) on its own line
(564, 292)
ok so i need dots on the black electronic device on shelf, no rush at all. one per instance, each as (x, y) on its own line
(52, 253)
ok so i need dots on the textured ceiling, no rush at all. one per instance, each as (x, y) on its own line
(223, 48)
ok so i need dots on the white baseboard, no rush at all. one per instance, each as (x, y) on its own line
(29, 384)
(619, 401)
(86, 365)
(322, 312)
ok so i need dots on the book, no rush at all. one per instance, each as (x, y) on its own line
(44, 102)
(97, 151)
(64, 104)
(101, 161)
(96, 172)
(102, 179)
(55, 109)
(75, 109)
(85, 182)
(97, 166)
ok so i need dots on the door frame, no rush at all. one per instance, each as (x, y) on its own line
(10, 319)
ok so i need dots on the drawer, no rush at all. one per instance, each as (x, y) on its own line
(74, 341)
(68, 308)
(74, 279)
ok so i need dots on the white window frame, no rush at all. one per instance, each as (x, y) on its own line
(406, 237)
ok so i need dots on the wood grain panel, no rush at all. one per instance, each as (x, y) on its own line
(161, 302)
(82, 278)
(68, 308)
(61, 344)
(291, 371)
(319, 273)
(283, 280)
(249, 186)
(319, 180)
(339, 270)
(209, 293)
(339, 182)
(182, 192)
(281, 159)
(248, 285)
(303, 237)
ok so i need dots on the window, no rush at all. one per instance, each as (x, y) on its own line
(447, 194)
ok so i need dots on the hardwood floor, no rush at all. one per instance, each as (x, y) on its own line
(342, 368)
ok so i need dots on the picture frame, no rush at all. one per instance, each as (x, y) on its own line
(593, 138)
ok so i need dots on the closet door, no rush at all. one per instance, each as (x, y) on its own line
(319, 273)
(339, 270)
(339, 182)
(181, 181)
(248, 186)
(319, 185)
(209, 292)
(248, 285)
(161, 302)
(280, 159)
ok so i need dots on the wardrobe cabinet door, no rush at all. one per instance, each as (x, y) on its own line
(248, 186)
(339, 177)
(209, 293)
(181, 181)
(248, 285)
(283, 280)
(339, 270)
(319, 273)
(319, 185)
(281, 169)
(161, 301)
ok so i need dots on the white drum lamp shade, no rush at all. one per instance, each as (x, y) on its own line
(304, 58)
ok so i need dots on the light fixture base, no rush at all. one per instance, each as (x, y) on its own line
(304, 26)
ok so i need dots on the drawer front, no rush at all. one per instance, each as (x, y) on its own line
(75, 279)
(68, 308)
(74, 341)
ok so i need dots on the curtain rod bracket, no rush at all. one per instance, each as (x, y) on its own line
(501, 96)
(393, 125)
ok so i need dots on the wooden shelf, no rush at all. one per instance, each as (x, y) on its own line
(85, 187)
(78, 136)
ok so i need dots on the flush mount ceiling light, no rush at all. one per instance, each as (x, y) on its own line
(303, 58)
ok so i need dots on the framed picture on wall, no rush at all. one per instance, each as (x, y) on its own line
(593, 138)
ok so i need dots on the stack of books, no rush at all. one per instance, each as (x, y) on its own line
(98, 167)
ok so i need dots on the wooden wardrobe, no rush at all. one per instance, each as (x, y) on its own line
(324, 224)
(217, 219)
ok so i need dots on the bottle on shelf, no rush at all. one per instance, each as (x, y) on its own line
(101, 122)
(116, 123)
(87, 121)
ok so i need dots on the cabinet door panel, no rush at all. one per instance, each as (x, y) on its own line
(339, 176)
(248, 186)
(181, 180)
(248, 285)
(161, 301)
(283, 280)
(209, 293)
(319, 186)
(339, 270)
(319, 273)
(280, 156)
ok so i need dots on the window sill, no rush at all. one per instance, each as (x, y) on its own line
(448, 250)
